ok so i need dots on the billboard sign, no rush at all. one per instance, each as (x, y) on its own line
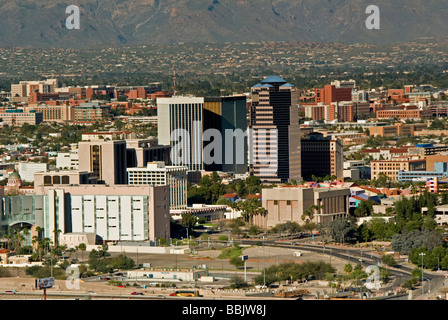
(44, 283)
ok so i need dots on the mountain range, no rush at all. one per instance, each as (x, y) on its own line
(106, 23)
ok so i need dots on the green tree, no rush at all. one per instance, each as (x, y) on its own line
(237, 262)
(389, 260)
(251, 207)
(348, 268)
(444, 262)
(82, 247)
(365, 209)
(237, 282)
(341, 230)
(439, 253)
(188, 221)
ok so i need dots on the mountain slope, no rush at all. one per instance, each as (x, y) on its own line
(31, 23)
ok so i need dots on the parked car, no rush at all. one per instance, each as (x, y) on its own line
(135, 293)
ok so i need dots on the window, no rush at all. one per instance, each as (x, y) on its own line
(47, 180)
(56, 180)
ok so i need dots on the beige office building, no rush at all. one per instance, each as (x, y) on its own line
(20, 118)
(105, 159)
(285, 204)
(390, 168)
(57, 113)
(24, 88)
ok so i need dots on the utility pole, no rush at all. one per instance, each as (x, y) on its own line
(244, 258)
(174, 81)
(51, 261)
(422, 254)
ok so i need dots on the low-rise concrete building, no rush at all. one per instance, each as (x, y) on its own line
(165, 275)
(285, 204)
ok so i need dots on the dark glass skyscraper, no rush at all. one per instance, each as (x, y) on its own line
(228, 115)
(275, 131)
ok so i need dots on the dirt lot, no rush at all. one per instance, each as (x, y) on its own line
(259, 258)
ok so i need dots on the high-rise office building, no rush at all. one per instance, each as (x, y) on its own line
(275, 132)
(322, 156)
(106, 159)
(180, 121)
(228, 117)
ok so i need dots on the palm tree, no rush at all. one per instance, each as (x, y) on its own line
(37, 240)
(56, 236)
(8, 238)
(82, 247)
(46, 242)
(17, 239)
(39, 231)
(26, 232)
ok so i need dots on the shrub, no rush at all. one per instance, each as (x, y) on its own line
(389, 260)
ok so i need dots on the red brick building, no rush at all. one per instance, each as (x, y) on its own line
(404, 114)
(330, 94)
(36, 96)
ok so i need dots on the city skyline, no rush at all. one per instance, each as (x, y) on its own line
(240, 151)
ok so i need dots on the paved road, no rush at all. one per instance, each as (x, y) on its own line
(366, 257)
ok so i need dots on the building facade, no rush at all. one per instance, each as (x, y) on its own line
(54, 113)
(285, 204)
(322, 156)
(28, 169)
(106, 159)
(274, 131)
(440, 171)
(330, 93)
(398, 129)
(68, 160)
(180, 121)
(118, 213)
(92, 111)
(156, 174)
(227, 116)
(390, 168)
(18, 117)
(141, 151)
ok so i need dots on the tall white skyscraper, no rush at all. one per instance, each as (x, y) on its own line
(180, 122)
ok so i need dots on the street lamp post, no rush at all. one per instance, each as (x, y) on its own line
(264, 265)
(422, 254)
